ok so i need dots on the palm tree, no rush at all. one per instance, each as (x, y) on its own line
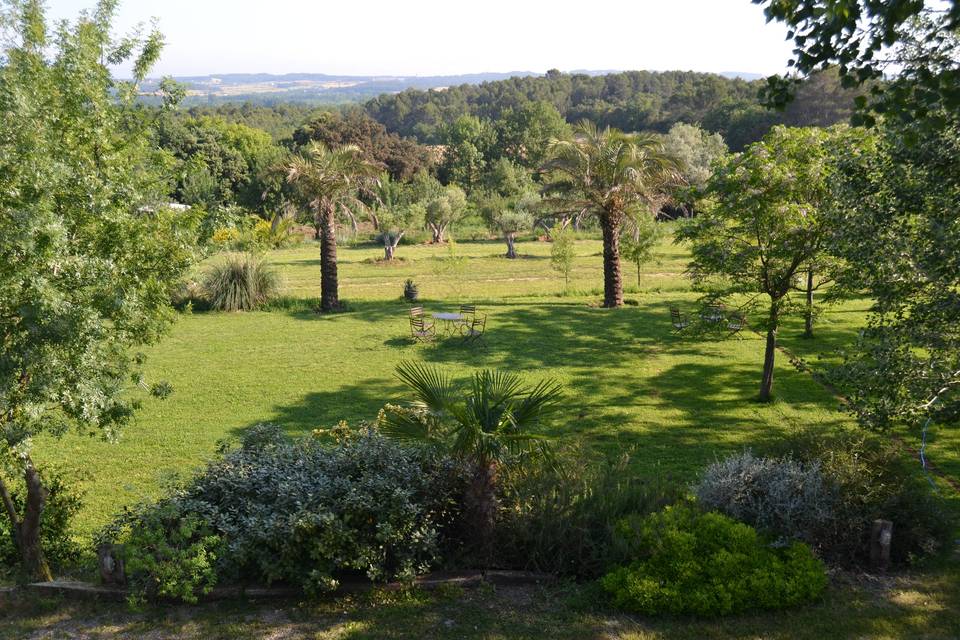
(329, 178)
(489, 425)
(611, 175)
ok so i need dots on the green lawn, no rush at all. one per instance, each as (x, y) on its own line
(681, 402)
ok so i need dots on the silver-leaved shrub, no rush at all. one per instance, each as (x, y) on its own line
(305, 512)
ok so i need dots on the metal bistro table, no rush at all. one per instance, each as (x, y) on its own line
(449, 321)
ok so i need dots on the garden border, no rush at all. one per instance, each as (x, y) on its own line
(463, 579)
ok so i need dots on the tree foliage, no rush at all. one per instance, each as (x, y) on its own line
(87, 259)
(763, 221)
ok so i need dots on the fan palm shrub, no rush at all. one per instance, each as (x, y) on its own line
(240, 283)
(611, 175)
(494, 422)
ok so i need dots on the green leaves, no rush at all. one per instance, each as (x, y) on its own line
(493, 420)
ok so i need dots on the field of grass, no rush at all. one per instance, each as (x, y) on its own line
(679, 402)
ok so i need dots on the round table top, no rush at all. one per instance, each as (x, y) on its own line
(448, 316)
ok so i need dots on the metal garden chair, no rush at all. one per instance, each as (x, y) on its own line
(420, 331)
(473, 331)
(678, 320)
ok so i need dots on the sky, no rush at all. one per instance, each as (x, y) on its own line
(434, 37)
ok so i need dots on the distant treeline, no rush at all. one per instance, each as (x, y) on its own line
(630, 101)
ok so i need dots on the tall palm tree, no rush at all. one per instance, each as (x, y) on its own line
(613, 176)
(329, 178)
(490, 424)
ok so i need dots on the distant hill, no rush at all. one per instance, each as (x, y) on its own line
(320, 88)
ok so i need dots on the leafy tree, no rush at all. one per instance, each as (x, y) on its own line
(87, 259)
(524, 133)
(468, 143)
(400, 157)
(329, 178)
(562, 254)
(445, 209)
(695, 150)
(638, 243)
(613, 176)
(494, 422)
(763, 221)
(897, 233)
(867, 39)
(509, 216)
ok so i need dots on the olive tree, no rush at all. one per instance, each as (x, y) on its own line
(87, 258)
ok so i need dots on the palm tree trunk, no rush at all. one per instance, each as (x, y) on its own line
(612, 278)
(481, 507)
(329, 295)
(766, 383)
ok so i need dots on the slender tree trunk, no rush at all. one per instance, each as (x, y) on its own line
(480, 503)
(26, 530)
(612, 278)
(766, 383)
(511, 238)
(317, 225)
(808, 315)
(437, 230)
(329, 295)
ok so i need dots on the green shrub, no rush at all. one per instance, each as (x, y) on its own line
(873, 478)
(170, 554)
(559, 518)
(240, 283)
(706, 564)
(63, 503)
(304, 512)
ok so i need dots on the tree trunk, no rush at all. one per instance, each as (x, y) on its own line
(511, 238)
(317, 225)
(808, 316)
(612, 278)
(329, 295)
(480, 506)
(26, 530)
(766, 384)
(437, 231)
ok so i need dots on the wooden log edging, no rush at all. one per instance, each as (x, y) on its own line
(76, 590)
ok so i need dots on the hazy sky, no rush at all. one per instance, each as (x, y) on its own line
(431, 37)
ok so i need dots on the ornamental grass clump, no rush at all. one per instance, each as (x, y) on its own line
(240, 283)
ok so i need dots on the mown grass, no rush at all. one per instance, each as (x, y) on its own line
(679, 401)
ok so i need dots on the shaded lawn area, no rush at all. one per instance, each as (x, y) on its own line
(881, 608)
(677, 403)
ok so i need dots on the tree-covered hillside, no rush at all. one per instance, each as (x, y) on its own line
(630, 101)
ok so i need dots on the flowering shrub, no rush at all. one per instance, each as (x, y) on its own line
(308, 512)
(706, 564)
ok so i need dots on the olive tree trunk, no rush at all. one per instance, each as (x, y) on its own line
(390, 244)
(437, 230)
(329, 294)
(511, 239)
(769, 356)
(612, 277)
(25, 529)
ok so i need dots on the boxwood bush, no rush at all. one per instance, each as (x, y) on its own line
(304, 512)
(706, 564)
